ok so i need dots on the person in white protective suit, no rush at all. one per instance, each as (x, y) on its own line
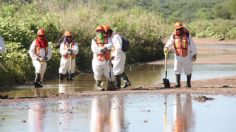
(40, 53)
(2, 47)
(101, 47)
(68, 50)
(185, 52)
(119, 59)
(2, 50)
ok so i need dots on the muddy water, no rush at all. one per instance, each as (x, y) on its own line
(120, 113)
(140, 75)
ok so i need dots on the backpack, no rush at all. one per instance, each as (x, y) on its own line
(125, 44)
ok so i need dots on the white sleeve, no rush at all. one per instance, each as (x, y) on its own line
(49, 54)
(117, 42)
(110, 44)
(2, 47)
(63, 51)
(75, 49)
(170, 42)
(193, 48)
(32, 51)
(95, 48)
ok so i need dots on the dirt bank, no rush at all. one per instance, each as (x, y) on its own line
(212, 51)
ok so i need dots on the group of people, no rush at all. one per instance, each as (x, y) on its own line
(108, 56)
(40, 53)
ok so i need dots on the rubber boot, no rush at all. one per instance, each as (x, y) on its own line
(126, 80)
(61, 77)
(189, 81)
(99, 85)
(177, 80)
(71, 76)
(117, 81)
(37, 82)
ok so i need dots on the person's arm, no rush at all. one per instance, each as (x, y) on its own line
(95, 48)
(193, 48)
(2, 47)
(109, 45)
(75, 49)
(117, 42)
(169, 44)
(49, 54)
(63, 50)
(32, 51)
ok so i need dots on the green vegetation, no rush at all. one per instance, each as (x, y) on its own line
(144, 22)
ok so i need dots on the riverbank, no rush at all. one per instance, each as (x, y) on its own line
(211, 51)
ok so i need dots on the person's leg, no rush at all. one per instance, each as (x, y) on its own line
(125, 79)
(189, 80)
(73, 65)
(37, 81)
(117, 81)
(97, 70)
(178, 71)
(188, 68)
(63, 69)
(108, 73)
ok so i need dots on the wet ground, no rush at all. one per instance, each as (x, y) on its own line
(140, 75)
(120, 113)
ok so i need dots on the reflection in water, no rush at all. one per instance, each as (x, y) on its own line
(143, 75)
(107, 114)
(64, 116)
(36, 117)
(165, 118)
(37, 92)
(183, 114)
(65, 88)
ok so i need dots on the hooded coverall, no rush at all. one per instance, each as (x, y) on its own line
(119, 56)
(100, 67)
(180, 62)
(67, 65)
(40, 67)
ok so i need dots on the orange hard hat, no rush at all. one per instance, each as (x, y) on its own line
(67, 34)
(41, 32)
(99, 28)
(106, 28)
(178, 25)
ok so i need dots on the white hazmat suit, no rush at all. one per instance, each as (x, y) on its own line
(68, 63)
(100, 67)
(40, 67)
(180, 62)
(119, 56)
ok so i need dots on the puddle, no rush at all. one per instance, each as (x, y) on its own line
(139, 75)
(121, 113)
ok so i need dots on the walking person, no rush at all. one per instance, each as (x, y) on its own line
(40, 53)
(101, 47)
(185, 52)
(68, 50)
(119, 58)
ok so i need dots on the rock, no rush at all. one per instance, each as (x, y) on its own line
(202, 98)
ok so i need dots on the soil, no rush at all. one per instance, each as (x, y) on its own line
(206, 54)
